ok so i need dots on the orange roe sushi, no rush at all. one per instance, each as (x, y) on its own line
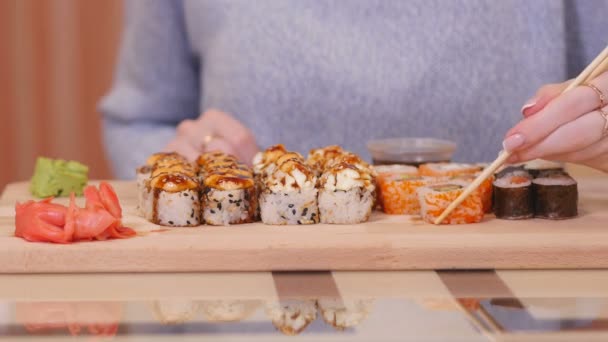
(448, 169)
(484, 189)
(397, 193)
(396, 168)
(434, 199)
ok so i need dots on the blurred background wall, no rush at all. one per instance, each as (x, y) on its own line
(56, 61)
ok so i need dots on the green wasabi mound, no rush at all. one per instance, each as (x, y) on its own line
(56, 177)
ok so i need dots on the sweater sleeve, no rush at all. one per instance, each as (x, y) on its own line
(155, 86)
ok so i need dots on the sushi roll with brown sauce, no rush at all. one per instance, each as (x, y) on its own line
(228, 192)
(172, 199)
(556, 196)
(448, 169)
(434, 199)
(320, 158)
(347, 192)
(265, 162)
(513, 195)
(144, 172)
(288, 194)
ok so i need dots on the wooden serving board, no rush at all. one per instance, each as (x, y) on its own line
(384, 243)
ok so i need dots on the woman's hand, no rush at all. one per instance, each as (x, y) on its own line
(568, 128)
(213, 130)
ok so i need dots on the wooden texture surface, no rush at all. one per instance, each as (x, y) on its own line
(383, 243)
(56, 61)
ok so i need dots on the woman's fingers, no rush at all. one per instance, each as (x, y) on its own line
(215, 130)
(233, 131)
(586, 155)
(563, 109)
(221, 144)
(571, 137)
(543, 96)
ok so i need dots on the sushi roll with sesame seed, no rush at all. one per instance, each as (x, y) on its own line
(229, 197)
(265, 162)
(143, 173)
(347, 191)
(172, 199)
(319, 159)
(288, 195)
(228, 190)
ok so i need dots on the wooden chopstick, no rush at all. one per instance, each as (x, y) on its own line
(596, 67)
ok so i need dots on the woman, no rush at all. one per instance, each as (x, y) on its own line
(241, 75)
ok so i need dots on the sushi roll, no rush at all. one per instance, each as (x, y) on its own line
(539, 167)
(143, 173)
(507, 169)
(396, 168)
(291, 317)
(513, 195)
(288, 195)
(319, 159)
(485, 189)
(172, 199)
(343, 313)
(398, 192)
(556, 196)
(228, 193)
(447, 169)
(434, 199)
(265, 162)
(229, 196)
(347, 191)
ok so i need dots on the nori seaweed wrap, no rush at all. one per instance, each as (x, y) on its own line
(513, 195)
(556, 196)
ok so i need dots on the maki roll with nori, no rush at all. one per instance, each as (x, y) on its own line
(513, 195)
(556, 196)
(539, 167)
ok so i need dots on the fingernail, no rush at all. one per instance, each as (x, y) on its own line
(513, 142)
(528, 105)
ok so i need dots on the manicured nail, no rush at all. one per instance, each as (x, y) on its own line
(513, 142)
(528, 105)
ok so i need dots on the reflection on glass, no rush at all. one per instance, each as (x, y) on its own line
(175, 311)
(228, 310)
(342, 314)
(94, 318)
(292, 316)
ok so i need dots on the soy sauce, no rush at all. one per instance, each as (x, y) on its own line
(416, 164)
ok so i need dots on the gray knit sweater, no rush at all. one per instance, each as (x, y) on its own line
(308, 73)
